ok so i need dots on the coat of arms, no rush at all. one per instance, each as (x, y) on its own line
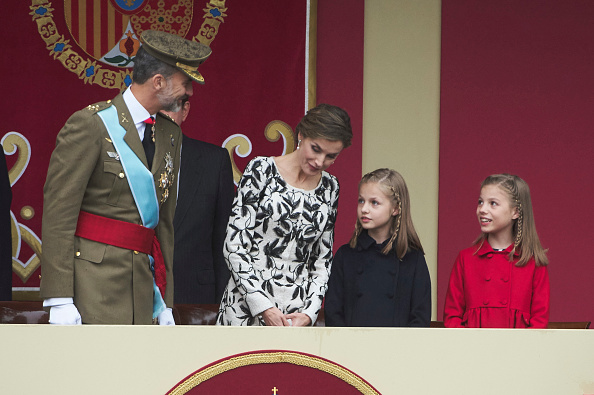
(104, 33)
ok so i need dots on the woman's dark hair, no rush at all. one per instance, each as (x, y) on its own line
(327, 122)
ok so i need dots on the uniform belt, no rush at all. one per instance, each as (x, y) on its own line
(114, 232)
(124, 235)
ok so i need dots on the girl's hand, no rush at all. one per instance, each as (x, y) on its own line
(299, 319)
(274, 317)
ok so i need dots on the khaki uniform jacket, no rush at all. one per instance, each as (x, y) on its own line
(110, 285)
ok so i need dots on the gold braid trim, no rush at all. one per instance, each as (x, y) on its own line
(274, 357)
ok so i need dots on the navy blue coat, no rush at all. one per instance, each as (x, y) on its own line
(203, 208)
(368, 288)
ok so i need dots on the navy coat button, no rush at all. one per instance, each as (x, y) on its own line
(359, 294)
(390, 295)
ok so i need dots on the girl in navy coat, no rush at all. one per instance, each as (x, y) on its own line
(380, 278)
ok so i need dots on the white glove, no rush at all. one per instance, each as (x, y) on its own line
(64, 314)
(166, 317)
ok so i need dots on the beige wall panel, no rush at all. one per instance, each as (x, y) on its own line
(401, 105)
(45, 359)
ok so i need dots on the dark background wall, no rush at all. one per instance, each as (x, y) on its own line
(517, 96)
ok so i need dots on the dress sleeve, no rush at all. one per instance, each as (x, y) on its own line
(420, 304)
(455, 303)
(539, 308)
(334, 302)
(242, 241)
(319, 269)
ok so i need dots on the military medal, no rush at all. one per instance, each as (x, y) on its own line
(167, 177)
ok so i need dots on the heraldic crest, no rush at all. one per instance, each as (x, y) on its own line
(103, 35)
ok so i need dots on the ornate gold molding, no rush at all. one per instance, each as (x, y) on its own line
(241, 145)
(17, 143)
(268, 357)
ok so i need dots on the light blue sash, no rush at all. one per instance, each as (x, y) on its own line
(141, 184)
(139, 177)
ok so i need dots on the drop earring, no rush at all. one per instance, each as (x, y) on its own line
(298, 144)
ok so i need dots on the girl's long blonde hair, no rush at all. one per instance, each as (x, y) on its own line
(526, 241)
(402, 230)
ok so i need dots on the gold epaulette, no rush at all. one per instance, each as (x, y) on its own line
(99, 106)
(166, 116)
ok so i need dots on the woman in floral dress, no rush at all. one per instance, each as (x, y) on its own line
(281, 230)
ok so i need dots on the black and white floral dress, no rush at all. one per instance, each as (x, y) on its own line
(278, 245)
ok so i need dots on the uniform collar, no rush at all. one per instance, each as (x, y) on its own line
(486, 249)
(364, 241)
(137, 111)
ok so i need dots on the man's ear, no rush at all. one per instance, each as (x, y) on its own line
(159, 82)
(185, 110)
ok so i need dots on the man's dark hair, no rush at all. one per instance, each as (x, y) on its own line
(146, 66)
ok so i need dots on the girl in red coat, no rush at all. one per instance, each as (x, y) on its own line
(380, 278)
(502, 281)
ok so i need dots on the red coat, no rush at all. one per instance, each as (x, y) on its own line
(488, 291)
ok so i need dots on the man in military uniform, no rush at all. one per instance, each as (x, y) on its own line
(110, 195)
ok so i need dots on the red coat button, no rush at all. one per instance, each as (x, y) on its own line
(485, 302)
(504, 302)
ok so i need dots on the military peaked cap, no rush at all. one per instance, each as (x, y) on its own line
(176, 51)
